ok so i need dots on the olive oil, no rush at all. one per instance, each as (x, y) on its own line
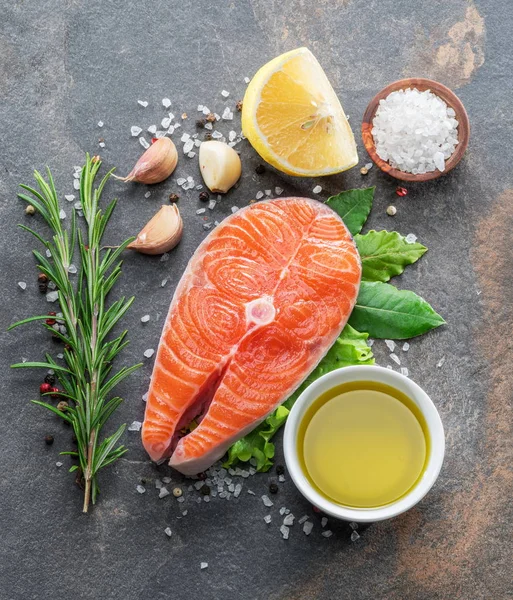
(363, 444)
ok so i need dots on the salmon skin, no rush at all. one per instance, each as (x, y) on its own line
(261, 301)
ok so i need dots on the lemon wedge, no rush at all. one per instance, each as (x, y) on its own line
(294, 120)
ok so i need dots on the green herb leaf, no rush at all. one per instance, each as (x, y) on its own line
(383, 311)
(385, 254)
(353, 206)
(350, 348)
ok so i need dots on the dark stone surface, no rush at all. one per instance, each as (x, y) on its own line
(64, 65)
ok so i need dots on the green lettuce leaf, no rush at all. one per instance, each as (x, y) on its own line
(383, 311)
(353, 206)
(350, 348)
(385, 254)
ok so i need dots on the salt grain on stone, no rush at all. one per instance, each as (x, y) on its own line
(268, 519)
(140, 489)
(142, 103)
(406, 347)
(395, 358)
(411, 238)
(135, 131)
(289, 520)
(415, 131)
(439, 364)
(168, 531)
(52, 296)
(144, 143)
(166, 102)
(303, 519)
(267, 501)
(317, 189)
(147, 194)
(22, 285)
(58, 464)
(76, 184)
(234, 209)
(404, 371)
(204, 565)
(324, 522)
(145, 318)
(163, 492)
(307, 527)
(152, 129)
(285, 531)
(390, 345)
(259, 195)
(278, 190)
(69, 197)
(355, 536)
(225, 94)
(327, 534)
(149, 353)
(201, 211)
(100, 123)
(135, 426)
(163, 282)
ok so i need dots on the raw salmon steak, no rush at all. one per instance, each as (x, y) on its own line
(261, 301)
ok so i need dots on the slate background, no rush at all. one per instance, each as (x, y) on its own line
(64, 65)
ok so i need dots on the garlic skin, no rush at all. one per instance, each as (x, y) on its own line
(156, 164)
(220, 166)
(161, 234)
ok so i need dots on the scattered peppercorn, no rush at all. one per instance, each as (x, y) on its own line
(96, 159)
(205, 490)
(208, 137)
(30, 210)
(67, 347)
(43, 287)
(364, 170)
(50, 378)
(391, 210)
(315, 509)
(74, 439)
(401, 191)
(42, 278)
(202, 476)
(48, 440)
(200, 123)
(211, 118)
(55, 392)
(280, 469)
(204, 197)
(238, 106)
(101, 140)
(143, 480)
(273, 488)
(45, 388)
(174, 197)
(177, 492)
(184, 116)
(260, 170)
(50, 322)
(62, 405)
(153, 140)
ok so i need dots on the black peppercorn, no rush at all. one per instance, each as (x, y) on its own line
(48, 440)
(211, 118)
(204, 490)
(238, 106)
(204, 197)
(174, 197)
(208, 137)
(273, 488)
(260, 170)
(280, 469)
(49, 378)
(200, 123)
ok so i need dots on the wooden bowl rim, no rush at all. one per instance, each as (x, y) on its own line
(449, 98)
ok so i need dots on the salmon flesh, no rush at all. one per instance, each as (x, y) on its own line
(261, 301)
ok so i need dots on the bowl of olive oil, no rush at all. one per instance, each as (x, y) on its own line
(364, 443)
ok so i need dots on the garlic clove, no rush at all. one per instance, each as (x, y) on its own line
(220, 166)
(161, 234)
(156, 164)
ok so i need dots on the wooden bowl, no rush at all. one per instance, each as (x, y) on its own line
(449, 98)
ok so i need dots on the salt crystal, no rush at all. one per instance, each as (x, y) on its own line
(69, 197)
(191, 154)
(370, 342)
(101, 144)
(327, 534)
(58, 464)
(149, 353)
(145, 318)
(147, 194)
(238, 490)
(168, 531)
(251, 493)
(182, 499)
(185, 137)
(415, 131)
(206, 110)
(268, 192)
(353, 525)
(78, 205)
(52, 296)
(227, 114)
(181, 180)
(278, 190)
(307, 527)
(268, 519)
(60, 355)
(218, 117)
(246, 80)
(216, 135)
(197, 143)
(368, 166)
(166, 102)
(404, 371)
(160, 134)
(145, 397)
(225, 94)
(232, 135)
(140, 489)
(201, 211)
(100, 123)
(324, 522)
(390, 368)
(355, 536)
(439, 364)
(152, 129)
(285, 531)
(166, 479)
(281, 478)
(203, 565)
(212, 204)
(143, 143)
(395, 358)
(163, 492)
(22, 285)
(163, 283)
(234, 209)
(390, 345)
(259, 195)
(135, 426)
(135, 131)
(206, 498)
(411, 238)
(317, 189)
(289, 520)
(76, 184)
(184, 512)
(200, 107)
(188, 146)
(158, 484)
(207, 226)
(406, 347)
(142, 103)
(283, 510)
(267, 501)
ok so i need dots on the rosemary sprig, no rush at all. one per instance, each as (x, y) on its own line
(87, 380)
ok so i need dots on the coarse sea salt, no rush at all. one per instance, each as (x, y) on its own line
(416, 132)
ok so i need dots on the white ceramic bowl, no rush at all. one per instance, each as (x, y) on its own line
(387, 377)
